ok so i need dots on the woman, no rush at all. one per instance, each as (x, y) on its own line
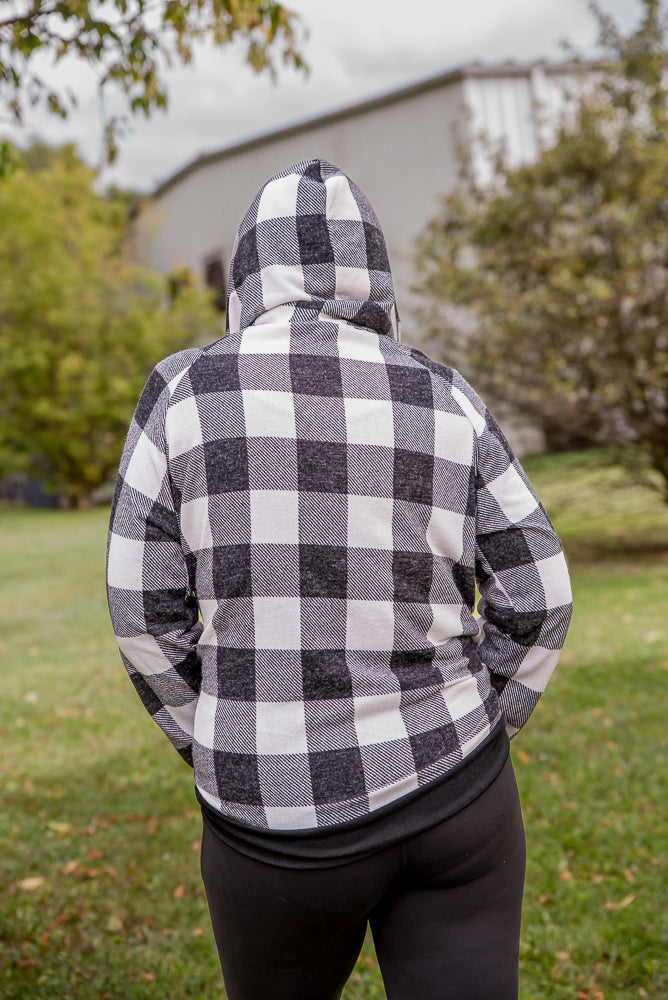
(303, 511)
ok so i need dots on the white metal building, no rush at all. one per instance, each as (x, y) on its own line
(401, 148)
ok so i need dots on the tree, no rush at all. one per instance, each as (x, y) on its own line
(80, 327)
(561, 266)
(129, 43)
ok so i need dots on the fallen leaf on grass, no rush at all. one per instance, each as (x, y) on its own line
(198, 932)
(31, 698)
(62, 829)
(69, 867)
(91, 872)
(653, 636)
(148, 977)
(622, 904)
(179, 892)
(565, 876)
(31, 883)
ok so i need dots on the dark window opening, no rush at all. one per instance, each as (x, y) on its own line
(214, 278)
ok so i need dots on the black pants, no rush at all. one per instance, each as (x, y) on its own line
(444, 908)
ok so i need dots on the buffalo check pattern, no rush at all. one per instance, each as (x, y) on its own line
(302, 512)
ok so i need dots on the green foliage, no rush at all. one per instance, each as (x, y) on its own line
(10, 159)
(99, 812)
(129, 46)
(80, 327)
(563, 264)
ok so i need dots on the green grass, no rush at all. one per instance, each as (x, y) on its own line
(98, 811)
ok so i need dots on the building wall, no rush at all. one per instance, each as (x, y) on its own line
(515, 113)
(401, 150)
(401, 154)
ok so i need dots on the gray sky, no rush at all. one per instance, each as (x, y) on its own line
(356, 49)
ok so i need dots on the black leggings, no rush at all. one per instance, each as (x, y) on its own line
(444, 908)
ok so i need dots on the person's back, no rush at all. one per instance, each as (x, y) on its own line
(303, 511)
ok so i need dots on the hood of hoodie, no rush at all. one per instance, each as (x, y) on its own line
(311, 239)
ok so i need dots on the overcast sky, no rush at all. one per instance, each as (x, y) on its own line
(356, 49)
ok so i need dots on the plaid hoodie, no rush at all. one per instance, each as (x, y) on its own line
(302, 513)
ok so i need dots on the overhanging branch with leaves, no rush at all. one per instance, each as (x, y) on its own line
(129, 44)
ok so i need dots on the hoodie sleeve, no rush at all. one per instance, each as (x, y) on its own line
(521, 572)
(150, 586)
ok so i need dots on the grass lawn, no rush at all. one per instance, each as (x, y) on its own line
(99, 868)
